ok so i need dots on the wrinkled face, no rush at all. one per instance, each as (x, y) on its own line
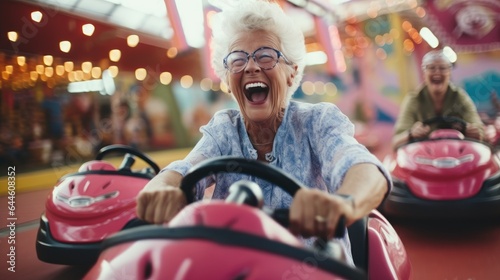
(260, 93)
(437, 76)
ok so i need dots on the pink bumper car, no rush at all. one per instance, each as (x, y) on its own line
(444, 176)
(239, 238)
(87, 206)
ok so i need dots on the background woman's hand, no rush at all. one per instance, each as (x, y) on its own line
(473, 131)
(419, 130)
(160, 204)
(316, 213)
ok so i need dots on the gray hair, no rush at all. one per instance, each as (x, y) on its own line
(433, 56)
(251, 15)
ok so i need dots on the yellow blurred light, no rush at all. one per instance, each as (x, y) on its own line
(113, 71)
(65, 46)
(308, 88)
(60, 70)
(5, 75)
(223, 87)
(33, 75)
(319, 87)
(36, 16)
(407, 26)
(9, 69)
(40, 69)
(96, 72)
(331, 89)
(13, 36)
(420, 12)
(88, 29)
(408, 45)
(140, 74)
(186, 81)
(172, 52)
(217, 86)
(206, 84)
(165, 78)
(48, 60)
(72, 76)
(21, 60)
(87, 76)
(49, 72)
(68, 66)
(87, 66)
(79, 75)
(115, 55)
(132, 40)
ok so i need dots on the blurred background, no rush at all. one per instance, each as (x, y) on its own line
(77, 75)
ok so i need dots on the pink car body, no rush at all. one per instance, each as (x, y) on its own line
(446, 175)
(221, 240)
(86, 207)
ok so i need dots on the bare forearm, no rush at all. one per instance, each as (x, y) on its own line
(400, 139)
(166, 178)
(367, 185)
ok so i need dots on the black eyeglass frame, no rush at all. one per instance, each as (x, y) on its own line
(280, 54)
(436, 68)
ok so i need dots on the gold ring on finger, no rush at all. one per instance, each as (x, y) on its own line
(320, 219)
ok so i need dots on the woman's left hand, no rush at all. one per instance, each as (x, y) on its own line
(316, 213)
(473, 131)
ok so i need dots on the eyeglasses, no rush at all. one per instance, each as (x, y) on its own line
(265, 57)
(434, 68)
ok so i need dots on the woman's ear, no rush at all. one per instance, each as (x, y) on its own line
(291, 77)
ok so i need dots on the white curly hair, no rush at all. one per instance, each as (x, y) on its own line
(250, 15)
(434, 55)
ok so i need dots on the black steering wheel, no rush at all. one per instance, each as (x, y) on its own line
(221, 235)
(252, 167)
(237, 165)
(128, 160)
(448, 122)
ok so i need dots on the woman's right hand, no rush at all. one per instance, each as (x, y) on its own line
(159, 204)
(419, 130)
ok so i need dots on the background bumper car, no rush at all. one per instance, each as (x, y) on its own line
(444, 176)
(87, 206)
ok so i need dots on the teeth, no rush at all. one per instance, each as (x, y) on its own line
(251, 85)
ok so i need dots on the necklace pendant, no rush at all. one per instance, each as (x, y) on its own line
(269, 157)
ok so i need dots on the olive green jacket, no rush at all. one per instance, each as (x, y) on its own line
(418, 106)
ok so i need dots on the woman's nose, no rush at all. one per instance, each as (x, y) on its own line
(252, 66)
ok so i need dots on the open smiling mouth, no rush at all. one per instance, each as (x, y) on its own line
(257, 92)
(437, 80)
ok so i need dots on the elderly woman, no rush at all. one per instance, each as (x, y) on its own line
(259, 53)
(438, 97)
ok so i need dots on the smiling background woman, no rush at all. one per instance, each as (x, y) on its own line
(259, 53)
(437, 97)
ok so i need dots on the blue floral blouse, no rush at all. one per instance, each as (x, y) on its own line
(314, 144)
